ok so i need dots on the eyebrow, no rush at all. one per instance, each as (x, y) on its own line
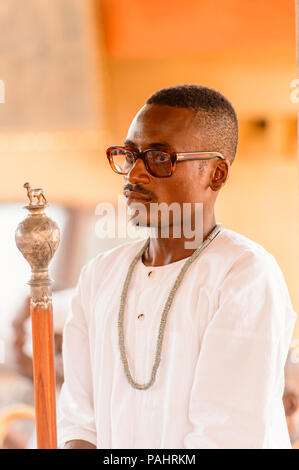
(152, 144)
(130, 143)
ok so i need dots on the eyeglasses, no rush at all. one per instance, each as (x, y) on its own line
(158, 163)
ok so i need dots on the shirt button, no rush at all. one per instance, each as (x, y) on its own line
(140, 316)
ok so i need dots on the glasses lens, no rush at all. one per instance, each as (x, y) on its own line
(123, 160)
(159, 162)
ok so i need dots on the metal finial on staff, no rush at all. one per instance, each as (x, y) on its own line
(37, 237)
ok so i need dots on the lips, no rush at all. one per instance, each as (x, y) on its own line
(136, 196)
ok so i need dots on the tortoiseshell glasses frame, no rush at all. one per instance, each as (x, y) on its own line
(159, 163)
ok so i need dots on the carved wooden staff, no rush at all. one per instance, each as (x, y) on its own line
(37, 237)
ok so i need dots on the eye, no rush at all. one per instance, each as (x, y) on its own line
(158, 156)
(161, 157)
(129, 157)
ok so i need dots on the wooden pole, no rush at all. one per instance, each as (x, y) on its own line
(37, 237)
(44, 377)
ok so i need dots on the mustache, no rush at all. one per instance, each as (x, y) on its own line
(140, 189)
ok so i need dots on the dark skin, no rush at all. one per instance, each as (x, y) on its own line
(174, 128)
(291, 404)
(78, 444)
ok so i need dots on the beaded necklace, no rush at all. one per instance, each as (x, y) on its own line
(173, 291)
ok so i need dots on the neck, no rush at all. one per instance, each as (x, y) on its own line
(162, 251)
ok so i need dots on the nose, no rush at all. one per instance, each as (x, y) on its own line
(138, 173)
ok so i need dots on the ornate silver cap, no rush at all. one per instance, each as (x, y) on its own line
(37, 237)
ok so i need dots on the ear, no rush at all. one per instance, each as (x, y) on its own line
(219, 175)
(290, 402)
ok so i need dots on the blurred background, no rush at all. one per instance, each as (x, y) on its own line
(75, 74)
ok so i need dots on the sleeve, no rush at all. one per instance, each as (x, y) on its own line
(76, 418)
(239, 376)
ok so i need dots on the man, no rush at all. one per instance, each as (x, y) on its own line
(157, 356)
(291, 396)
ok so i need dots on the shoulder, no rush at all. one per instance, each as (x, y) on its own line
(250, 267)
(239, 243)
(245, 253)
(105, 267)
(106, 259)
(253, 272)
(253, 291)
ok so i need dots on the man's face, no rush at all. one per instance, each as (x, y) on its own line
(168, 128)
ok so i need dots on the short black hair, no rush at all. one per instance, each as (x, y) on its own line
(213, 113)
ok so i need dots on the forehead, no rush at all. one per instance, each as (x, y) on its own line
(165, 124)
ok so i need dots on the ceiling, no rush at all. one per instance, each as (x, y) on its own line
(157, 28)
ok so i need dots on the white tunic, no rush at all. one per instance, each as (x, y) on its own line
(221, 376)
